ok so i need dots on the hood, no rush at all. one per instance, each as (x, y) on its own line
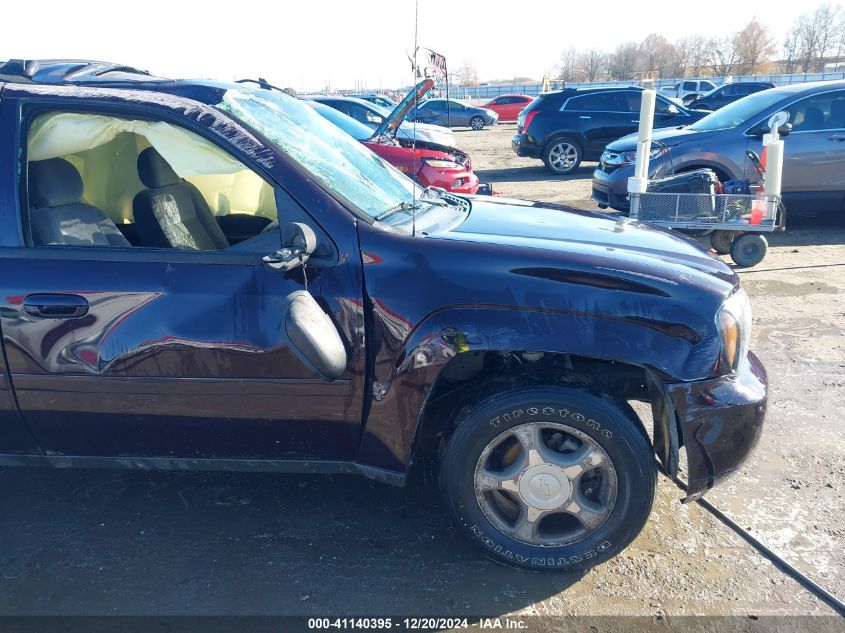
(407, 104)
(427, 132)
(610, 245)
(670, 136)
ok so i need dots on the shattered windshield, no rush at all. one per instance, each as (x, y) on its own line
(338, 162)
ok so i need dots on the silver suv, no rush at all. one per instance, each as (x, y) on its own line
(814, 158)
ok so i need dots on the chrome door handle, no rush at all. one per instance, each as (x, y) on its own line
(585, 117)
(635, 120)
(836, 137)
(55, 306)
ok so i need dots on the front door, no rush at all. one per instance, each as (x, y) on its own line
(814, 154)
(138, 316)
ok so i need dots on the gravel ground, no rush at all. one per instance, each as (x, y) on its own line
(110, 542)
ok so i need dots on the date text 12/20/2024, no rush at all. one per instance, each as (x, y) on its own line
(417, 624)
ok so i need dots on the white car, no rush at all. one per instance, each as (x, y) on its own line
(685, 91)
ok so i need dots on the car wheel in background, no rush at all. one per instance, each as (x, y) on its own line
(562, 156)
(721, 241)
(549, 477)
(749, 250)
(476, 123)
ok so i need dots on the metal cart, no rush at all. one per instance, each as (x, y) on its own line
(736, 223)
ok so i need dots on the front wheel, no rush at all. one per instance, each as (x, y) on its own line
(476, 123)
(549, 478)
(562, 156)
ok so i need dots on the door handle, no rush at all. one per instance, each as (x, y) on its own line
(836, 137)
(585, 117)
(55, 306)
(635, 120)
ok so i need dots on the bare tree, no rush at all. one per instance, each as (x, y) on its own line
(593, 64)
(816, 35)
(657, 55)
(722, 53)
(569, 70)
(755, 44)
(465, 75)
(790, 52)
(622, 63)
(692, 52)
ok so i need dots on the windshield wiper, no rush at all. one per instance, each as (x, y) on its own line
(403, 206)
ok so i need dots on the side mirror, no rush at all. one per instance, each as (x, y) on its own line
(760, 130)
(298, 243)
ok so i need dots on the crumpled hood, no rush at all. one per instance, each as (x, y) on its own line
(428, 132)
(670, 136)
(588, 240)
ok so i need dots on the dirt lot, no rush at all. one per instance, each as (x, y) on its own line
(79, 542)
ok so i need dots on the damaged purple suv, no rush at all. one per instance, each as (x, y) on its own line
(201, 275)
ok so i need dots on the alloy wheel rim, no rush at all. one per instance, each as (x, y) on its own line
(545, 484)
(477, 123)
(563, 156)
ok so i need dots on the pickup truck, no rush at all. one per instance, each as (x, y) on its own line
(686, 91)
(202, 275)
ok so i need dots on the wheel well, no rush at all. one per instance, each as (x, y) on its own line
(473, 376)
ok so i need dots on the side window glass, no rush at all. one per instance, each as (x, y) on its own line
(823, 111)
(598, 102)
(96, 180)
(689, 85)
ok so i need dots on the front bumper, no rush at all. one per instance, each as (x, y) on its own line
(720, 421)
(611, 189)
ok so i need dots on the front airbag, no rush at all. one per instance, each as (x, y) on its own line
(313, 336)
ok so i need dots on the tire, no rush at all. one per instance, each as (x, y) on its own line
(562, 156)
(721, 241)
(476, 123)
(615, 484)
(749, 250)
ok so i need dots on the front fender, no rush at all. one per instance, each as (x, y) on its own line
(400, 389)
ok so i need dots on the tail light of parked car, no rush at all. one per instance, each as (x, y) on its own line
(525, 119)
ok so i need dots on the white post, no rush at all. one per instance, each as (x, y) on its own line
(638, 183)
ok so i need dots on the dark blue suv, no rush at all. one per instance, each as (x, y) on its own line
(566, 127)
(211, 276)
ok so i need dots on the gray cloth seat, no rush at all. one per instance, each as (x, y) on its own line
(57, 214)
(172, 213)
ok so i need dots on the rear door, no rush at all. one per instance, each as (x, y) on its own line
(814, 153)
(601, 117)
(131, 350)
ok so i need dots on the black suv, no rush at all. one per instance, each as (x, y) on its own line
(728, 93)
(568, 126)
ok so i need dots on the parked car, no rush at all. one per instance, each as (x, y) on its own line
(457, 114)
(688, 89)
(429, 164)
(382, 100)
(373, 116)
(508, 107)
(814, 150)
(723, 95)
(568, 126)
(500, 338)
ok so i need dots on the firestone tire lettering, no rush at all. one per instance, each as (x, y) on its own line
(573, 416)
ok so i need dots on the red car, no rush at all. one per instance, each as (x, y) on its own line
(508, 106)
(431, 164)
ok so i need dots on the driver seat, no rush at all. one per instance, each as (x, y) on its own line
(171, 212)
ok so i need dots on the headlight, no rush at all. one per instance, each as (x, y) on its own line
(734, 323)
(629, 158)
(441, 163)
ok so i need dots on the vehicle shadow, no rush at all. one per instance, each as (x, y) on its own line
(129, 542)
(811, 229)
(532, 173)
